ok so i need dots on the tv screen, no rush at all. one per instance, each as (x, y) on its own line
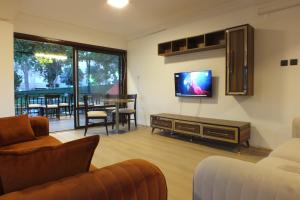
(193, 83)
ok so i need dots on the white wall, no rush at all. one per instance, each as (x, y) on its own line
(57, 30)
(277, 94)
(6, 70)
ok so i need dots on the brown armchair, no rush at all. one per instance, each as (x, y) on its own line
(132, 179)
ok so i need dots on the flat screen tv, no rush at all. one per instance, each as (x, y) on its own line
(196, 84)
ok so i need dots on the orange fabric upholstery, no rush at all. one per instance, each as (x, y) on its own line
(40, 126)
(39, 142)
(129, 180)
(15, 129)
(20, 169)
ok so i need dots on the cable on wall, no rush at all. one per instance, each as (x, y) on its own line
(278, 6)
(199, 108)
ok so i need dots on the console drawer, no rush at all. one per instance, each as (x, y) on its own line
(163, 123)
(221, 133)
(187, 127)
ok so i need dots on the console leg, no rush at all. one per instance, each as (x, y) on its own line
(152, 130)
(247, 144)
(239, 149)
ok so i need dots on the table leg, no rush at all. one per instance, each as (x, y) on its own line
(42, 110)
(117, 117)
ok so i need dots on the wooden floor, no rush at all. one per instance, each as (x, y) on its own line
(63, 124)
(176, 158)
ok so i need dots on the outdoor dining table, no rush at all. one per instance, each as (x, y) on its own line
(117, 102)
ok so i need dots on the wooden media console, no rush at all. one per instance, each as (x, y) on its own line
(234, 132)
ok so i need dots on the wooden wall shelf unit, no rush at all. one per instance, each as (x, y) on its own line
(239, 43)
(234, 132)
(214, 40)
(240, 60)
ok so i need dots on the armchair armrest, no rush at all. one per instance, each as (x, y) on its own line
(132, 179)
(220, 178)
(40, 126)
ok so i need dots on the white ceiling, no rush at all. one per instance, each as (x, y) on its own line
(140, 17)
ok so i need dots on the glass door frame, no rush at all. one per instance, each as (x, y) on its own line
(122, 76)
(84, 47)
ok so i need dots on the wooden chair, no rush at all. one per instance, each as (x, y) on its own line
(20, 104)
(92, 113)
(125, 113)
(52, 104)
(35, 103)
(66, 103)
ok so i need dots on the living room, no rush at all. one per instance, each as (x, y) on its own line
(144, 34)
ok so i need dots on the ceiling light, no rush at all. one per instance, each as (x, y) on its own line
(51, 56)
(118, 3)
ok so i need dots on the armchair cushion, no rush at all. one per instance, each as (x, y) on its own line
(96, 114)
(15, 129)
(125, 111)
(39, 142)
(280, 164)
(20, 169)
(132, 179)
(63, 104)
(40, 126)
(52, 106)
(288, 150)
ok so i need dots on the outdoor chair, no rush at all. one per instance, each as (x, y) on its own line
(35, 103)
(66, 104)
(52, 105)
(20, 104)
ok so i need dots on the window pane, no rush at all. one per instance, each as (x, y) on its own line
(42, 68)
(98, 73)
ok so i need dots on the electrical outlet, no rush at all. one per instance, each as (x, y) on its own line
(284, 63)
(294, 62)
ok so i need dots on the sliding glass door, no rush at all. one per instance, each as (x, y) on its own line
(67, 70)
(98, 75)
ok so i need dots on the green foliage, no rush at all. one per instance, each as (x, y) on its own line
(102, 68)
(50, 72)
(50, 69)
(67, 76)
(24, 58)
(23, 52)
(18, 80)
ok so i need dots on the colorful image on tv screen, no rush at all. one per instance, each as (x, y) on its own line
(193, 83)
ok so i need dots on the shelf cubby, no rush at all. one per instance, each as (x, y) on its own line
(164, 48)
(179, 45)
(196, 42)
(215, 38)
